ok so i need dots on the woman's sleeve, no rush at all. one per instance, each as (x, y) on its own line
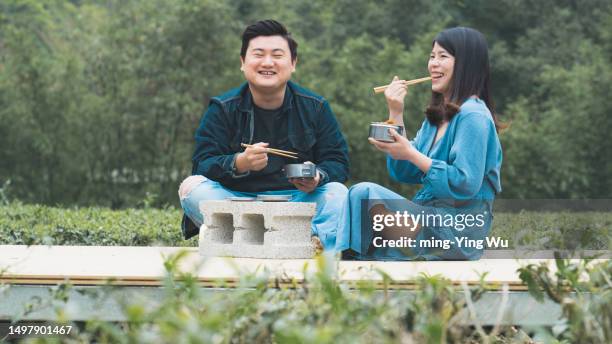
(463, 176)
(403, 170)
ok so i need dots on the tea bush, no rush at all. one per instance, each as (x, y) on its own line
(24, 224)
(555, 230)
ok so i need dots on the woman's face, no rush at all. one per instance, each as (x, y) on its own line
(440, 66)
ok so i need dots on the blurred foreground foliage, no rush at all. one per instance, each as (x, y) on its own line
(323, 309)
(583, 289)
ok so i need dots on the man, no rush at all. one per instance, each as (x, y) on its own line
(268, 111)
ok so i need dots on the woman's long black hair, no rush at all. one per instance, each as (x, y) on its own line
(471, 75)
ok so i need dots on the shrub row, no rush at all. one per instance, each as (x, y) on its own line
(22, 224)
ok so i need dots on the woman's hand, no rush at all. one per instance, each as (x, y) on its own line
(395, 94)
(401, 149)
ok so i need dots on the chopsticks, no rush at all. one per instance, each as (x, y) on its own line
(381, 89)
(286, 154)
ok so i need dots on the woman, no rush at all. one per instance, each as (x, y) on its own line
(456, 155)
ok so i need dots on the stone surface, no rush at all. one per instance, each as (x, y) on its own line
(256, 229)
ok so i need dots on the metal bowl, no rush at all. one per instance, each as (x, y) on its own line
(300, 170)
(380, 131)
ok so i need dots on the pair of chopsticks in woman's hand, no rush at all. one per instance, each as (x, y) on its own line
(381, 89)
(286, 154)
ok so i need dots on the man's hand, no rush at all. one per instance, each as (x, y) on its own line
(401, 149)
(306, 185)
(254, 158)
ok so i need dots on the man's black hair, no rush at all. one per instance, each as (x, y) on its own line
(268, 27)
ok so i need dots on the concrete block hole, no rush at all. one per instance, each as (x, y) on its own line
(253, 229)
(222, 228)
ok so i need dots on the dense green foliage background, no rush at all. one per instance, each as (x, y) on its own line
(99, 99)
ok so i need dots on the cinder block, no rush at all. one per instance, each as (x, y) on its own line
(257, 229)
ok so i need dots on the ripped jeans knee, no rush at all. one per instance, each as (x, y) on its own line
(189, 184)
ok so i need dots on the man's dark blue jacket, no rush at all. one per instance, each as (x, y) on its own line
(313, 132)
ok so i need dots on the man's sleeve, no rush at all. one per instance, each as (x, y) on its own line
(330, 150)
(213, 156)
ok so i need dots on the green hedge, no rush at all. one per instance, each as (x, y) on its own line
(39, 224)
(22, 224)
(552, 230)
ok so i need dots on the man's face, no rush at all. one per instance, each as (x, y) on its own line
(267, 64)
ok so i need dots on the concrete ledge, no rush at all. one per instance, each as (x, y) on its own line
(278, 230)
(144, 266)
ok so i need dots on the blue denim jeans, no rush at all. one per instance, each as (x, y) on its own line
(329, 199)
(355, 230)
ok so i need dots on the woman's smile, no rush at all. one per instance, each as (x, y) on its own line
(441, 65)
